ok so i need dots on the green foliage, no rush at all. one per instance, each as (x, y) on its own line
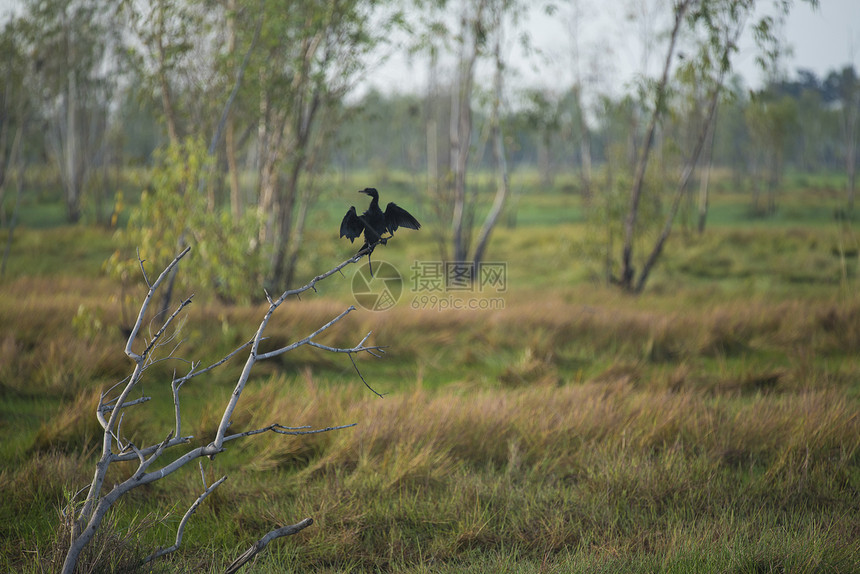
(87, 323)
(173, 212)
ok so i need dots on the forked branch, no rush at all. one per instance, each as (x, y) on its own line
(150, 467)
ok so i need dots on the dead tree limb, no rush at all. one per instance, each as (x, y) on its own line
(180, 531)
(260, 544)
(113, 403)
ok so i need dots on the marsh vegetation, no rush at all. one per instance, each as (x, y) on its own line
(707, 424)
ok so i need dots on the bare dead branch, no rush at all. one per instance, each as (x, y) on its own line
(124, 457)
(110, 413)
(372, 350)
(180, 531)
(108, 391)
(154, 456)
(177, 417)
(192, 373)
(310, 284)
(142, 269)
(258, 337)
(280, 429)
(362, 377)
(137, 453)
(307, 339)
(260, 544)
(145, 306)
(164, 327)
(108, 408)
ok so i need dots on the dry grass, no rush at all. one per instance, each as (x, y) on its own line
(575, 430)
(528, 425)
(599, 469)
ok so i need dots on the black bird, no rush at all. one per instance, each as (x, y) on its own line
(375, 223)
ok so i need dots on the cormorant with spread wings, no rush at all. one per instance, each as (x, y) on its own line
(375, 223)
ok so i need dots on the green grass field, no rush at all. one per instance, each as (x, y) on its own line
(711, 424)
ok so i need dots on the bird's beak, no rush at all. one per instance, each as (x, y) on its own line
(361, 191)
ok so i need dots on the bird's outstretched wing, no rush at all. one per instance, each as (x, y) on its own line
(396, 216)
(351, 226)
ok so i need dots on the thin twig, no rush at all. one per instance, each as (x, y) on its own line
(202, 473)
(106, 408)
(142, 270)
(182, 523)
(362, 377)
(165, 325)
(310, 284)
(260, 544)
(152, 458)
(122, 456)
(281, 429)
(107, 392)
(191, 374)
(306, 340)
(143, 308)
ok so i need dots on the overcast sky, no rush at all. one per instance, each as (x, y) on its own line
(822, 40)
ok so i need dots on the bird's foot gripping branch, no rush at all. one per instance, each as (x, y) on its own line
(160, 458)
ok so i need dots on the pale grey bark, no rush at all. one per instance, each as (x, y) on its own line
(115, 448)
(260, 544)
(471, 29)
(502, 183)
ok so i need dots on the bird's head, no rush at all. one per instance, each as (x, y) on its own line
(370, 191)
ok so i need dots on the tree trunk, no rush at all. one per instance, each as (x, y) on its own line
(460, 142)
(850, 111)
(584, 150)
(704, 182)
(6, 152)
(270, 134)
(268, 183)
(461, 129)
(283, 234)
(285, 253)
(627, 270)
(543, 159)
(682, 186)
(69, 146)
(852, 177)
(436, 188)
(502, 186)
(163, 84)
(574, 33)
(233, 167)
(14, 154)
(773, 182)
(229, 135)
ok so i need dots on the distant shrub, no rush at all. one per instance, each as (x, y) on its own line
(174, 211)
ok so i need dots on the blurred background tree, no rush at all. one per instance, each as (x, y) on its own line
(282, 96)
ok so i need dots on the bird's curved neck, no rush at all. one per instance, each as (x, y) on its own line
(374, 201)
